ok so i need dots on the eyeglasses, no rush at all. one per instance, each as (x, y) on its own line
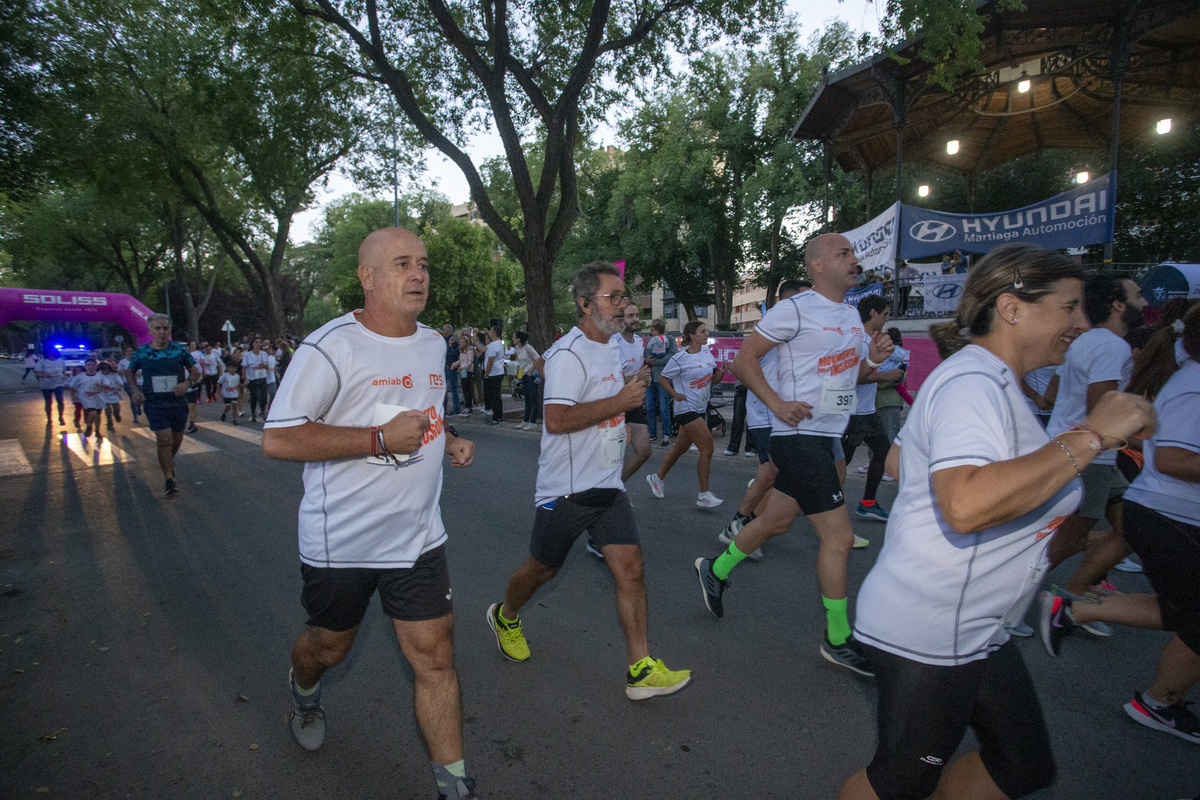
(615, 299)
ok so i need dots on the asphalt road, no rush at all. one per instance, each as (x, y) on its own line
(144, 642)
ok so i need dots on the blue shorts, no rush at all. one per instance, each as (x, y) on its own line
(760, 439)
(163, 417)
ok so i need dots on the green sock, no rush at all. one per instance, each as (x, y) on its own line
(727, 561)
(836, 621)
(447, 774)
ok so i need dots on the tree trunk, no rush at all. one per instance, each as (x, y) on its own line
(537, 267)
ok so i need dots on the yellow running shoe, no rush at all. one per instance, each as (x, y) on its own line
(651, 678)
(509, 638)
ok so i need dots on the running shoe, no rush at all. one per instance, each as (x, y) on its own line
(666, 441)
(171, 488)
(494, 422)
(235, 420)
(750, 454)
(860, 542)
(594, 548)
(1097, 628)
(463, 789)
(863, 469)
(693, 449)
(192, 429)
(222, 418)
(1054, 621)
(1103, 589)
(1022, 629)
(712, 587)
(654, 437)
(253, 418)
(1128, 565)
(887, 478)
(874, 512)
(708, 500)
(509, 637)
(731, 530)
(651, 678)
(849, 655)
(656, 485)
(730, 453)
(1176, 719)
(306, 719)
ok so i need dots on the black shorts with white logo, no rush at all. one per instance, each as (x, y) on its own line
(924, 710)
(608, 519)
(806, 471)
(336, 598)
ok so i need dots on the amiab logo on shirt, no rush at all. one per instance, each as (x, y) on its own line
(836, 330)
(406, 382)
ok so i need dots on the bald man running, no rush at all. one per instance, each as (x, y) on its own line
(361, 404)
(821, 355)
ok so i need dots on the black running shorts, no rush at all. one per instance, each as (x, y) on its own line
(806, 471)
(636, 417)
(924, 710)
(172, 416)
(557, 525)
(336, 598)
(1168, 551)
(686, 417)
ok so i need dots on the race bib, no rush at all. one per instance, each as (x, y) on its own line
(384, 412)
(612, 445)
(163, 383)
(838, 395)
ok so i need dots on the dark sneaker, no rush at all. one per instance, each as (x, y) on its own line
(171, 488)
(1055, 621)
(712, 586)
(874, 511)
(192, 429)
(306, 720)
(464, 789)
(1176, 719)
(731, 531)
(223, 417)
(849, 655)
(651, 678)
(594, 548)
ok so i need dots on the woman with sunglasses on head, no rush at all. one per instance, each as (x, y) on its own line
(982, 490)
(688, 378)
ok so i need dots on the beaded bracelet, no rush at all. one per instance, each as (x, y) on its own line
(1070, 455)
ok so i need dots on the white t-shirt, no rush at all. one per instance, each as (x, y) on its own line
(1039, 381)
(114, 387)
(757, 413)
(271, 362)
(362, 512)
(122, 368)
(865, 392)
(210, 363)
(255, 365)
(579, 370)
(51, 373)
(229, 384)
(1098, 355)
(89, 390)
(934, 595)
(197, 356)
(31, 360)
(691, 374)
(1178, 410)
(820, 344)
(495, 350)
(632, 353)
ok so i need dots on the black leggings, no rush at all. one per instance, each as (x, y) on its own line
(491, 396)
(258, 395)
(1170, 552)
(210, 387)
(56, 393)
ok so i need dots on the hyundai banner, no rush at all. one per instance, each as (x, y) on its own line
(1079, 217)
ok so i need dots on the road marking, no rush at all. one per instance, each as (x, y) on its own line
(92, 452)
(250, 435)
(190, 446)
(12, 459)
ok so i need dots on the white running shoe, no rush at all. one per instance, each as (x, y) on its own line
(1128, 565)
(729, 453)
(863, 469)
(887, 478)
(708, 500)
(860, 542)
(656, 486)
(693, 449)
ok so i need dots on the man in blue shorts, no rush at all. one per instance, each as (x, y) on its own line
(167, 372)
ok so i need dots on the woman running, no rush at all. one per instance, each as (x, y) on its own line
(982, 490)
(50, 379)
(688, 378)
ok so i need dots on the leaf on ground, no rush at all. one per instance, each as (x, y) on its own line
(102, 649)
(50, 737)
(243, 698)
(253, 747)
(42, 790)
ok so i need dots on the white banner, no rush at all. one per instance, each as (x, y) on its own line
(875, 243)
(942, 292)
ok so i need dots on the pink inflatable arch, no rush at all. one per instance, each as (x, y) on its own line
(52, 305)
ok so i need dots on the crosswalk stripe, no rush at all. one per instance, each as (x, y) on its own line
(92, 451)
(12, 459)
(250, 435)
(190, 446)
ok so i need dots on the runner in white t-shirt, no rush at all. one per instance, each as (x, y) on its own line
(982, 490)
(579, 480)
(127, 382)
(821, 356)
(633, 367)
(255, 364)
(688, 378)
(112, 394)
(230, 381)
(361, 404)
(51, 377)
(210, 365)
(89, 388)
(1099, 362)
(758, 438)
(1162, 523)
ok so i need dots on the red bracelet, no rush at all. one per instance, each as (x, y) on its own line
(1099, 445)
(374, 442)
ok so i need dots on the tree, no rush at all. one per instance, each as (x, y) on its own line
(455, 69)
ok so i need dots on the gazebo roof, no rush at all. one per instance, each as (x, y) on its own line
(1064, 48)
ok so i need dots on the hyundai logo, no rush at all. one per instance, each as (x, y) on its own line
(932, 231)
(947, 291)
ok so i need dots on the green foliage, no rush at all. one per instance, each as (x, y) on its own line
(949, 31)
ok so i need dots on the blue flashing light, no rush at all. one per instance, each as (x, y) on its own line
(58, 347)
